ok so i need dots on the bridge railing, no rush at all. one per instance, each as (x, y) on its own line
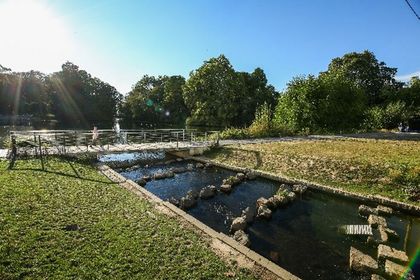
(62, 140)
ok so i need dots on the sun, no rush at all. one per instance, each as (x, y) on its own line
(33, 36)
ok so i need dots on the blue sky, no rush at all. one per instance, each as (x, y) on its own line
(119, 41)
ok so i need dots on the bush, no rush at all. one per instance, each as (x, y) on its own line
(262, 126)
(388, 117)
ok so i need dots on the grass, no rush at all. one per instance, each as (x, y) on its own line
(379, 167)
(70, 222)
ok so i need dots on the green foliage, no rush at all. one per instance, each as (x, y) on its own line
(71, 97)
(155, 100)
(365, 72)
(320, 104)
(262, 126)
(388, 117)
(217, 95)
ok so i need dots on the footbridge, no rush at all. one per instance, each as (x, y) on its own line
(73, 142)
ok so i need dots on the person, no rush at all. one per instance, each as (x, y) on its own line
(95, 135)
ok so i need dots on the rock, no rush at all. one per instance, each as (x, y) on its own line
(232, 180)
(187, 202)
(366, 210)
(375, 221)
(199, 165)
(281, 200)
(251, 175)
(240, 176)
(179, 159)
(174, 201)
(207, 192)
(248, 214)
(264, 212)
(226, 188)
(272, 202)
(291, 196)
(392, 233)
(299, 189)
(208, 165)
(284, 188)
(376, 277)
(238, 223)
(386, 252)
(179, 169)
(394, 270)
(164, 175)
(362, 262)
(193, 193)
(242, 238)
(146, 178)
(383, 210)
(383, 236)
(190, 166)
(169, 161)
(141, 182)
(261, 201)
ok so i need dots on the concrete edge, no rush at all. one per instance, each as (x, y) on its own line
(266, 264)
(404, 207)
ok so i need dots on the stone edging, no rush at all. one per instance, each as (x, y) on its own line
(270, 267)
(405, 207)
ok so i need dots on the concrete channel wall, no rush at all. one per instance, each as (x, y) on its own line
(266, 269)
(404, 207)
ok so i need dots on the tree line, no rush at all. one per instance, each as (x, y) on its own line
(70, 98)
(356, 92)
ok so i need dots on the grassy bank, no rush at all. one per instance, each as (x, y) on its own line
(69, 222)
(387, 168)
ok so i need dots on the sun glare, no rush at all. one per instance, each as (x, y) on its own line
(33, 36)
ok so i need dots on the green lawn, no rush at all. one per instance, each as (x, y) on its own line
(382, 167)
(70, 222)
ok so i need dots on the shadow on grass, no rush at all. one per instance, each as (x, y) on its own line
(76, 174)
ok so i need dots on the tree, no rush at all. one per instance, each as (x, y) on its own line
(366, 72)
(79, 100)
(211, 92)
(327, 103)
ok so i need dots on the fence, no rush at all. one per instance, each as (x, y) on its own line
(63, 140)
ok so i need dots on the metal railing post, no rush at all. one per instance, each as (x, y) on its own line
(40, 152)
(177, 136)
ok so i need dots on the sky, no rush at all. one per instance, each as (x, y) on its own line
(120, 41)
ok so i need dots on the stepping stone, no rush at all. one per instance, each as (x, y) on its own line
(394, 270)
(383, 235)
(242, 238)
(391, 233)
(383, 210)
(366, 210)
(386, 252)
(362, 262)
(238, 224)
(226, 188)
(375, 221)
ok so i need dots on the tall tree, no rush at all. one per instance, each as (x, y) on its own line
(211, 93)
(365, 71)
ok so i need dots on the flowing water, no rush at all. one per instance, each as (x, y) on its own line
(303, 237)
